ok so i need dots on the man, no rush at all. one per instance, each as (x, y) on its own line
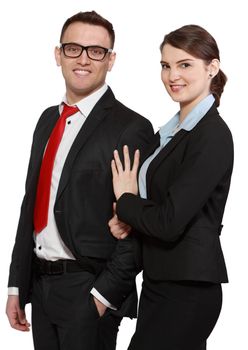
(79, 279)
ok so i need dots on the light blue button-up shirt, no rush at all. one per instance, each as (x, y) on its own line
(169, 130)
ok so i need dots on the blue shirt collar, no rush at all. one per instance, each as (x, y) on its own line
(190, 121)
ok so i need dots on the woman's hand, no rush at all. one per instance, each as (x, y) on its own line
(119, 229)
(125, 179)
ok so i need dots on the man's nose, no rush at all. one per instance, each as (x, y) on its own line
(83, 58)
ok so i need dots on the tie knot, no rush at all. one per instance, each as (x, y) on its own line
(69, 110)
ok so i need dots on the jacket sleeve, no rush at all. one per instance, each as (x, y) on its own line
(25, 224)
(22, 231)
(207, 165)
(118, 279)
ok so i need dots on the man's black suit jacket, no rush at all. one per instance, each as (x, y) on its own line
(187, 188)
(84, 200)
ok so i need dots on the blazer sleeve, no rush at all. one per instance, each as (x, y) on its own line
(22, 231)
(24, 234)
(207, 163)
(118, 279)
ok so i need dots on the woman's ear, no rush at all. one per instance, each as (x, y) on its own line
(214, 67)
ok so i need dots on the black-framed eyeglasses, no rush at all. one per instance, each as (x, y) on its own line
(96, 53)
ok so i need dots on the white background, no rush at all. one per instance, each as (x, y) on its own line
(31, 81)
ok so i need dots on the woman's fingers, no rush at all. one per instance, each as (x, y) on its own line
(114, 208)
(124, 235)
(119, 229)
(113, 168)
(127, 163)
(136, 161)
(118, 162)
(126, 158)
(125, 177)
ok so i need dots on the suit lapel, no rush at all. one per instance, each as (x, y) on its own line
(212, 113)
(94, 119)
(153, 145)
(162, 155)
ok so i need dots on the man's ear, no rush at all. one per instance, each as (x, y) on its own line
(57, 54)
(111, 61)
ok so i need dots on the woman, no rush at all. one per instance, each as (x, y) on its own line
(183, 184)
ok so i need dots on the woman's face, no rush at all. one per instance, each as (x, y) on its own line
(186, 78)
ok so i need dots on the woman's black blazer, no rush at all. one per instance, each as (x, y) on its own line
(187, 188)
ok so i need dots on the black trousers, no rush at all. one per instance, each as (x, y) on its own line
(176, 315)
(64, 315)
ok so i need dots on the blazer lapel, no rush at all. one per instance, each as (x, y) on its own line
(153, 145)
(173, 143)
(97, 115)
(162, 155)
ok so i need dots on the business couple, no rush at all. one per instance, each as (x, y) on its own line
(74, 263)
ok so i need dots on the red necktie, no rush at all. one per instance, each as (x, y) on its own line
(44, 183)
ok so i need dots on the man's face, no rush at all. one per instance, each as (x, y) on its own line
(82, 75)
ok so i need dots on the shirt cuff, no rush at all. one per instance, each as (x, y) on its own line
(13, 291)
(102, 299)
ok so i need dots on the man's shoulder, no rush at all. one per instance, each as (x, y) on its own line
(47, 115)
(128, 117)
(51, 110)
(121, 107)
(126, 109)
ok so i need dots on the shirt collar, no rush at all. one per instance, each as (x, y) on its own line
(87, 104)
(190, 121)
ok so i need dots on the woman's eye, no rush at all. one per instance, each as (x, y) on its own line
(165, 66)
(185, 65)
